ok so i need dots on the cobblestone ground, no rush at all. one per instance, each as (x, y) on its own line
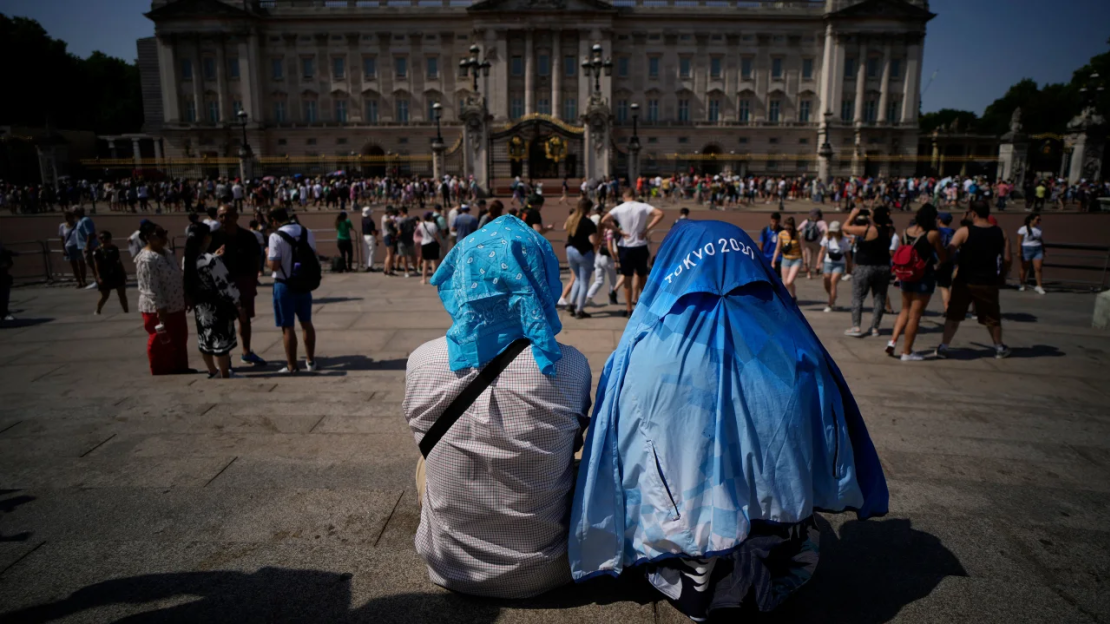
(291, 499)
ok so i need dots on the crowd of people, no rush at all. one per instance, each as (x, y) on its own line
(720, 191)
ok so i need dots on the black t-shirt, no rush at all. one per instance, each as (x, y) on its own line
(108, 265)
(580, 240)
(408, 228)
(368, 227)
(241, 252)
(532, 217)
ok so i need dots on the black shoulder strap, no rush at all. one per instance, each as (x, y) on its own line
(470, 393)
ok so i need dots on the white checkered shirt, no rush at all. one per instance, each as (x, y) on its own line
(500, 481)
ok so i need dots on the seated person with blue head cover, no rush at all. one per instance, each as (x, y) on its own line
(497, 485)
(721, 426)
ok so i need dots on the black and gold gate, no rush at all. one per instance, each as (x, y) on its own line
(536, 147)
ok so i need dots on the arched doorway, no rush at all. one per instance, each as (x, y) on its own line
(710, 165)
(376, 165)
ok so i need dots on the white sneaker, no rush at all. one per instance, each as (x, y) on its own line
(9, 318)
(91, 286)
(310, 366)
(562, 303)
(1040, 291)
(285, 370)
(912, 357)
(827, 309)
(1021, 288)
(847, 277)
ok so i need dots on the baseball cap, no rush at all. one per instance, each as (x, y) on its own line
(834, 226)
(945, 217)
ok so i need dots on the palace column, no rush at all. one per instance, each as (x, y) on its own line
(861, 81)
(529, 74)
(913, 82)
(884, 88)
(556, 71)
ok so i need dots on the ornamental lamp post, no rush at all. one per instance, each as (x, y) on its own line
(825, 152)
(635, 118)
(473, 66)
(437, 144)
(437, 109)
(244, 147)
(592, 68)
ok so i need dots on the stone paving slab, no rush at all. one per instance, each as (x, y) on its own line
(269, 499)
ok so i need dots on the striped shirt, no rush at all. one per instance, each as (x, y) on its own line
(499, 483)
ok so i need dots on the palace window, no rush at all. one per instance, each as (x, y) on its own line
(847, 109)
(714, 111)
(622, 67)
(371, 111)
(684, 67)
(776, 69)
(401, 67)
(570, 109)
(517, 65)
(186, 69)
(892, 110)
(516, 108)
(745, 109)
(774, 111)
(341, 111)
(233, 67)
(653, 67)
(653, 111)
(338, 68)
(715, 67)
(570, 65)
(431, 111)
(279, 112)
(543, 106)
(402, 106)
(190, 110)
(432, 67)
(684, 110)
(746, 68)
(369, 68)
(277, 69)
(850, 68)
(213, 112)
(803, 111)
(209, 68)
(895, 68)
(622, 111)
(870, 111)
(308, 68)
(309, 107)
(807, 69)
(873, 67)
(543, 64)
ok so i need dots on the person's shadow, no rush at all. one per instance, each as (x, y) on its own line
(867, 574)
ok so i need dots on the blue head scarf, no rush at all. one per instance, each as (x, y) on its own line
(501, 284)
(718, 409)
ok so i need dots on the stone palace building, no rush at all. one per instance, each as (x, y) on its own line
(745, 85)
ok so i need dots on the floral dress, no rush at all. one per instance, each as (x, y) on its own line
(217, 310)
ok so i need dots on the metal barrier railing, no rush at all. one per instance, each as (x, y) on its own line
(30, 272)
(1097, 257)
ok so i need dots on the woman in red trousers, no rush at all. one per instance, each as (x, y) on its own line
(162, 303)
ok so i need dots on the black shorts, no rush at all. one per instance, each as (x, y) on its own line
(634, 260)
(430, 251)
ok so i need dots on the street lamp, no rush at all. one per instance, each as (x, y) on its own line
(244, 148)
(635, 116)
(593, 67)
(472, 66)
(437, 109)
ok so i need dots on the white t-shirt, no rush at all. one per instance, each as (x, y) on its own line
(894, 241)
(281, 250)
(212, 224)
(633, 218)
(1030, 240)
(832, 247)
(428, 231)
(237, 191)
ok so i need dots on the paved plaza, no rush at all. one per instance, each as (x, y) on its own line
(270, 498)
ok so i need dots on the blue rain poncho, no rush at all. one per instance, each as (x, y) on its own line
(718, 409)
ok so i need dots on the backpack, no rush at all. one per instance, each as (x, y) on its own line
(811, 232)
(306, 265)
(908, 265)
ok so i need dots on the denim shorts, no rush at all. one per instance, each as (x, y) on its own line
(290, 306)
(834, 267)
(926, 286)
(787, 263)
(1030, 254)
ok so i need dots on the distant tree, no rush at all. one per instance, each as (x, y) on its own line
(48, 85)
(945, 116)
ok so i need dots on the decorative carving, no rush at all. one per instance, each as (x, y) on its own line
(518, 149)
(555, 148)
(1086, 120)
(1015, 121)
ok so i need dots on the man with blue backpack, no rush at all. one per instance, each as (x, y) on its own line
(297, 272)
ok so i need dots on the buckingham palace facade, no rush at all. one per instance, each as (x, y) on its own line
(749, 85)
